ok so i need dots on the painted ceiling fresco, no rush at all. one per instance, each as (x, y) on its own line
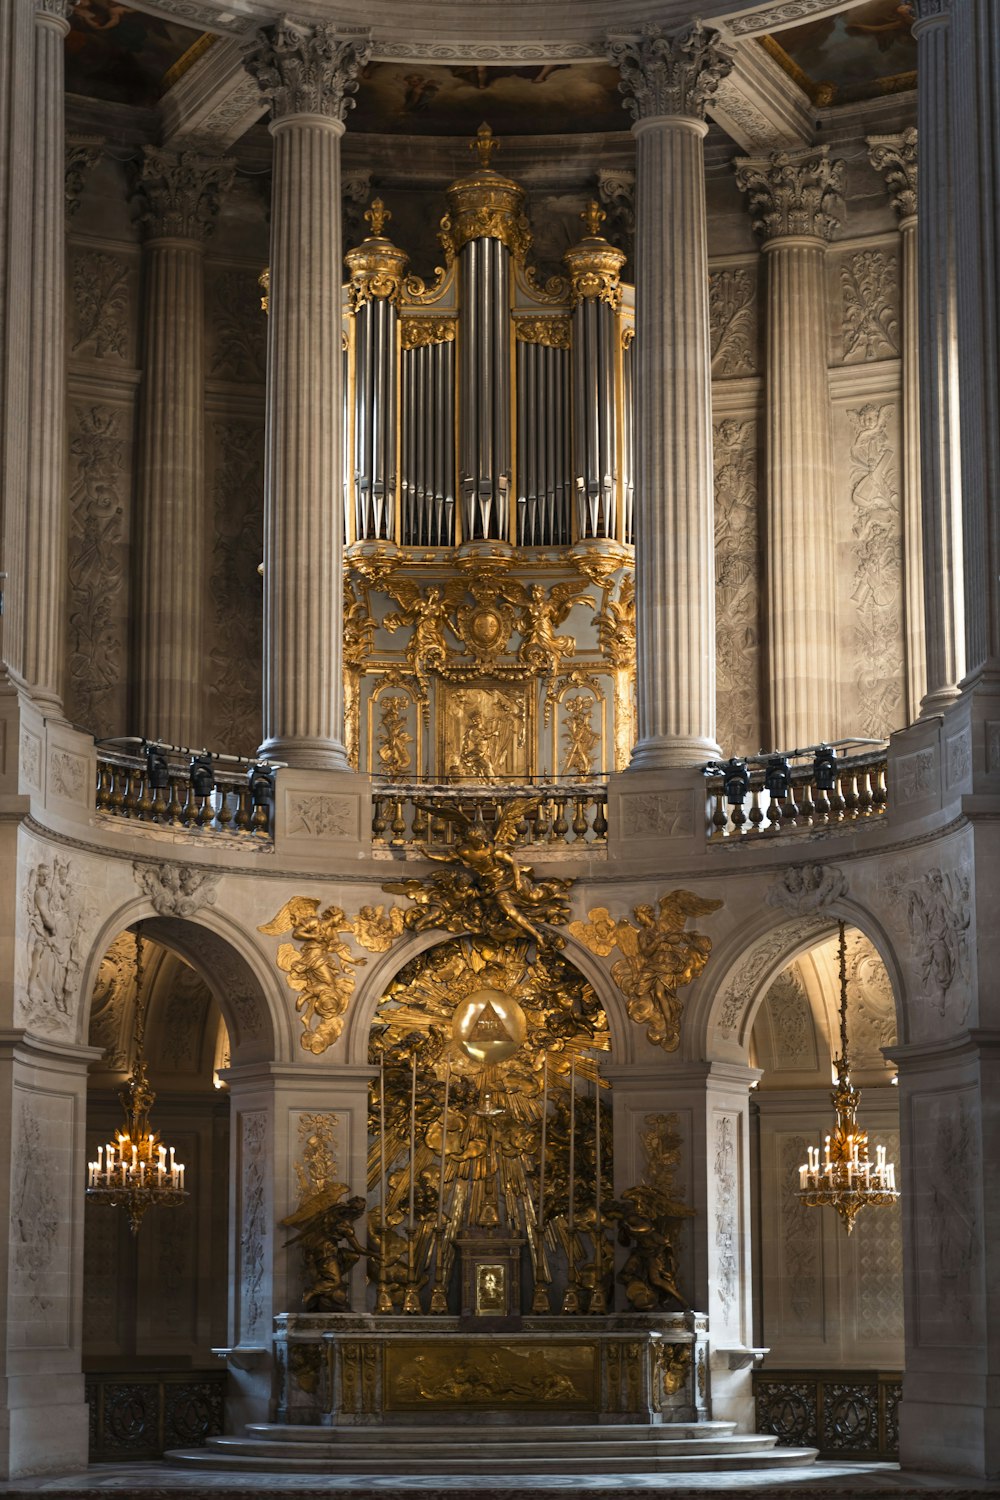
(420, 99)
(122, 55)
(858, 54)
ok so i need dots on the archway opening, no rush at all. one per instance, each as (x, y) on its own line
(155, 1300)
(828, 1305)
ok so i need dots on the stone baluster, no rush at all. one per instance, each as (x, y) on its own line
(895, 156)
(973, 113)
(42, 584)
(178, 197)
(309, 76)
(795, 200)
(667, 82)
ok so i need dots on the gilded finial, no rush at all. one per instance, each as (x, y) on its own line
(485, 143)
(593, 217)
(377, 216)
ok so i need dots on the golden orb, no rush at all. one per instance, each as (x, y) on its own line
(489, 1026)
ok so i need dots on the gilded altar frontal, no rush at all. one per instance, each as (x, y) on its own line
(499, 743)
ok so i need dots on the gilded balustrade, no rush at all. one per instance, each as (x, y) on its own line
(561, 814)
(859, 793)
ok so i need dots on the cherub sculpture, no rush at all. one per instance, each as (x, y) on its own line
(487, 889)
(330, 1247)
(540, 614)
(321, 971)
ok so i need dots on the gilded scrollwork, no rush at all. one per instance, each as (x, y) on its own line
(416, 333)
(550, 329)
(659, 958)
(394, 739)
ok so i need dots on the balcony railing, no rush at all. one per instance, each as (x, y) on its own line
(560, 814)
(159, 786)
(859, 792)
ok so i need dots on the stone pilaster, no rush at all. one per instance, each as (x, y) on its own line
(667, 82)
(973, 112)
(309, 77)
(43, 561)
(178, 197)
(795, 200)
(895, 156)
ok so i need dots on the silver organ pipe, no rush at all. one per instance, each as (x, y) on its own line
(628, 441)
(376, 268)
(484, 396)
(543, 468)
(428, 466)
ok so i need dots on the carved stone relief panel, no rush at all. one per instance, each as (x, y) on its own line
(236, 480)
(732, 306)
(799, 1253)
(53, 928)
(100, 478)
(254, 1225)
(788, 1017)
(111, 1002)
(728, 1237)
(102, 305)
(236, 331)
(949, 1224)
(487, 730)
(869, 301)
(870, 569)
(737, 590)
(932, 912)
(39, 1305)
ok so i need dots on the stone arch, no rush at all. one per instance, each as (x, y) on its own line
(251, 1003)
(746, 962)
(381, 972)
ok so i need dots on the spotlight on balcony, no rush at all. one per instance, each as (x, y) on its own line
(157, 770)
(260, 780)
(825, 768)
(737, 780)
(202, 775)
(777, 776)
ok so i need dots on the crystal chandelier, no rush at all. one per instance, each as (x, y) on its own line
(847, 1179)
(136, 1172)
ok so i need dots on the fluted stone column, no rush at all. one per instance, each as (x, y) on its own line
(895, 156)
(178, 197)
(43, 562)
(974, 114)
(308, 76)
(667, 82)
(795, 200)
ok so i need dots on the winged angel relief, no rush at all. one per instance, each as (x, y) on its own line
(321, 968)
(659, 958)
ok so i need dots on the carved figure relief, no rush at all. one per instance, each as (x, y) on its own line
(869, 282)
(485, 732)
(807, 888)
(97, 545)
(394, 739)
(732, 308)
(175, 890)
(877, 551)
(55, 921)
(938, 914)
(35, 1214)
(659, 958)
(737, 594)
(581, 740)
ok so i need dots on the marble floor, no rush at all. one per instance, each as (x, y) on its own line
(158, 1481)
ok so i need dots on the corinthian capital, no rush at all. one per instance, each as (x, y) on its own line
(670, 75)
(306, 70)
(58, 11)
(178, 193)
(895, 156)
(793, 193)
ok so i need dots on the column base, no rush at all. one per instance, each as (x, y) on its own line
(673, 751)
(306, 754)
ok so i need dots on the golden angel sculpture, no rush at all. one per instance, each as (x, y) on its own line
(659, 958)
(485, 888)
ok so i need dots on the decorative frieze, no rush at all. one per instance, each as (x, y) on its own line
(737, 594)
(877, 582)
(869, 282)
(674, 74)
(98, 493)
(732, 311)
(100, 286)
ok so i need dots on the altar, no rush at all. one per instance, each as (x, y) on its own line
(361, 1370)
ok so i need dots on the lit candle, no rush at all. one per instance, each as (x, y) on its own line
(413, 1144)
(572, 1142)
(171, 1161)
(381, 1135)
(826, 1160)
(802, 1177)
(444, 1139)
(545, 1121)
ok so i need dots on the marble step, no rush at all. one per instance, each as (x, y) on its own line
(517, 1445)
(486, 1430)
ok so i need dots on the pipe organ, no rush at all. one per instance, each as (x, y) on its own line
(488, 495)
